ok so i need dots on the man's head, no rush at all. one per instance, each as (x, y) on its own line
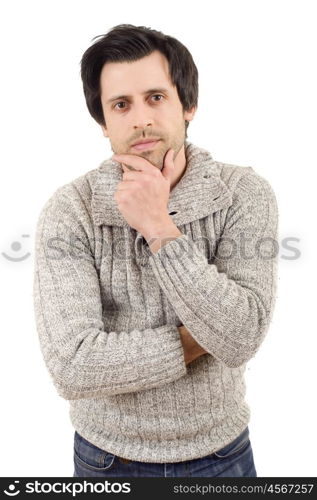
(138, 84)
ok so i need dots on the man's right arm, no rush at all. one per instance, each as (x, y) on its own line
(83, 359)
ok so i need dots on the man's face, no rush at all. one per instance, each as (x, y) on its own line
(150, 107)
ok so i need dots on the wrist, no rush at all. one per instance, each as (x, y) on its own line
(156, 228)
(160, 234)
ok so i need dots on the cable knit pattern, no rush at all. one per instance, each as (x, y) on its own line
(107, 309)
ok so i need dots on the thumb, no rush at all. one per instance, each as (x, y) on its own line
(168, 168)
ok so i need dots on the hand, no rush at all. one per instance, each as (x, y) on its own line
(142, 195)
(192, 350)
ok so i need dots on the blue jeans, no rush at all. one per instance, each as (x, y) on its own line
(234, 460)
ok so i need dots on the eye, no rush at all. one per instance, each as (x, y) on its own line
(158, 95)
(118, 103)
(123, 102)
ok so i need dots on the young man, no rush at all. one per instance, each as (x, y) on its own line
(155, 276)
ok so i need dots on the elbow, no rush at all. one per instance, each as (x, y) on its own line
(247, 350)
(73, 392)
(70, 383)
(239, 358)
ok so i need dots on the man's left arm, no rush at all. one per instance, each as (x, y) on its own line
(226, 306)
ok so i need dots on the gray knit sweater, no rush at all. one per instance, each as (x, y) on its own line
(107, 309)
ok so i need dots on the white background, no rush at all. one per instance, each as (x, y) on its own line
(257, 106)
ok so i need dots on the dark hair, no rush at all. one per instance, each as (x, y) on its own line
(126, 42)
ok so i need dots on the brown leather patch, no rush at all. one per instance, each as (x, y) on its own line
(124, 460)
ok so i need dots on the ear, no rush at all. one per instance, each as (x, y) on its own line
(189, 115)
(104, 131)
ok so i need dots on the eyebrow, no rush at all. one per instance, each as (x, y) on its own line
(150, 91)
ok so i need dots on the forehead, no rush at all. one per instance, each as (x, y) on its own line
(124, 77)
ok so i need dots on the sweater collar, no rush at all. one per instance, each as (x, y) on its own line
(199, 192)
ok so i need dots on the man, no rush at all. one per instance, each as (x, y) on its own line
(155, 276)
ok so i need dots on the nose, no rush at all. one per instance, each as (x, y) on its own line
(141, 117)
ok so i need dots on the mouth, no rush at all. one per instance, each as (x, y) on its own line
(145, 145)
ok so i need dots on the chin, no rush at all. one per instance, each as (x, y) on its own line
(153, 156)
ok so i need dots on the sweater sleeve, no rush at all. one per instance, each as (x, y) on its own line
(227, 305)
(84, 360)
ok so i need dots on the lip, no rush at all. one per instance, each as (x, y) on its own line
(145, 144)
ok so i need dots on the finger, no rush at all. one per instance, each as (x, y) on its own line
(124, 187)
(127, 168)
(131, 176)
(137, 162)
